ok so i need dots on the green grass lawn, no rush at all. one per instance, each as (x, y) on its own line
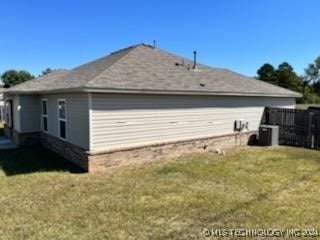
(250, 187)
(305, 106)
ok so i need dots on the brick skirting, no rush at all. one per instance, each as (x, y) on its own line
(98, 162)
(22, 139)
(66, 150)
(7, 131)
(94, 161)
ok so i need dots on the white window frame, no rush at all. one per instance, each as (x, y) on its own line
(62, 119)
(44, 115)
(8, 112)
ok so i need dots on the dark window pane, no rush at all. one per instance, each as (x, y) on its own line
(45, 124)
(62, 129)
(62, 110)
(44, 107)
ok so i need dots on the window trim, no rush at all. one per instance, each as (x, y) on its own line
(44, 115)
(62, 119)
(8, 104)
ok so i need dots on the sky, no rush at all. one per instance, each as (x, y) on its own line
(240, 35)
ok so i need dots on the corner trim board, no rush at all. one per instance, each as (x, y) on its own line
(90, 119)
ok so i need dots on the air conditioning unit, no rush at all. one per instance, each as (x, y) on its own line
(269, 135)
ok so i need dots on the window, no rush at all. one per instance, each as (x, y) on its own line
(62, 118)
(7, 113)
(45, 115)
(8, 110)
(62, 126)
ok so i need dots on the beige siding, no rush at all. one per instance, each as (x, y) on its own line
(77, 117)
(29, 113)
(25, 113)
(16, 113)
(124, 120)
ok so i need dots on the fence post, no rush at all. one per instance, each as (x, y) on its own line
(267, 115)
(310, 126)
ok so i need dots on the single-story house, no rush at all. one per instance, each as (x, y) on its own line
(137, 105)
(1, 105)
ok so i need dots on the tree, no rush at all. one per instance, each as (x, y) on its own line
(312, 74)
(48, 70)
(14, 77)
(316, 87)
(288, 78)
(283, 76)
(267, 73)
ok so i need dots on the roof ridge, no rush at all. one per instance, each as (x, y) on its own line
(185, 58)
(101, 58)
(128, 49)
(131, 47)
(123, 49)
(114, 54)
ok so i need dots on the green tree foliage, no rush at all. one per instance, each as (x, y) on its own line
(312, 75)
(288, 78)
(312, 72)
(14, 77)
(268, 74)
(283, 76)
(316, 87)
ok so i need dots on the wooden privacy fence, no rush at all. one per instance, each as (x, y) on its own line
(296, 127)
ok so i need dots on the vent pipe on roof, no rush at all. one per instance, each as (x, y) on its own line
(194, 60)
(154, 44)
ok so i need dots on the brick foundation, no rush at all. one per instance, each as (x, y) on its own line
(103, 160)
(26, 139)
(22, 139)
(98, 162)
(66, 150)
(7, 131)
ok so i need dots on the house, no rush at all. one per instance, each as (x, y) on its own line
(138, 104)
(1, 105)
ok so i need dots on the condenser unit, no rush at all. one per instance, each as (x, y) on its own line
(269, 135)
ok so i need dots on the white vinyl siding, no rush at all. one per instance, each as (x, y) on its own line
(2, 106)
(132, 120)
(25, 113)
(77, 115)
(29, 110)
(2, 111)
(16, 113)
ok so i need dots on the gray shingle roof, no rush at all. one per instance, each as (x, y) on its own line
(142, 68)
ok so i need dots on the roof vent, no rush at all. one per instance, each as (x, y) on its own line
(194, 60)
(180, 64)
(154, 44)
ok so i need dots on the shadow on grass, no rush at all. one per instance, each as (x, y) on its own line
(33, 159)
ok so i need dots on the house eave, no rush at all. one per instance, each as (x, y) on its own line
(159, 92)
(206, 93)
